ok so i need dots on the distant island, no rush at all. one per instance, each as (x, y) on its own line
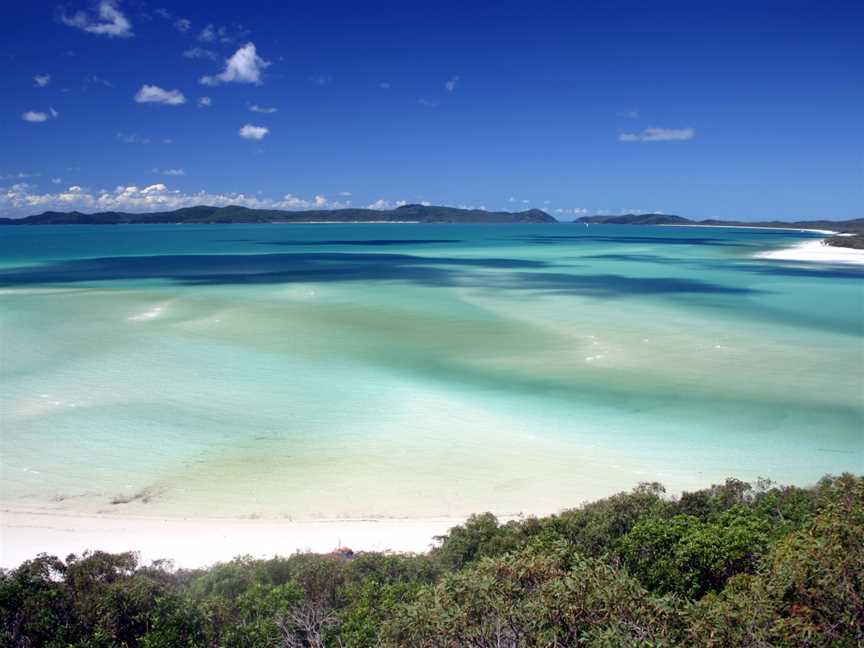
(235, 214)
(852, 230)
(854, 226)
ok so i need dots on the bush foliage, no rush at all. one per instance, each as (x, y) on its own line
(733, 565)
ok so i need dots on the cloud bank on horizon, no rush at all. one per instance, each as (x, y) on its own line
(423, 105)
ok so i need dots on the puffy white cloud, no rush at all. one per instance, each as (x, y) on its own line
(108, 20)
(170, 172)
(38, 116)
(41, 80)
(345, 193)
(244, 66)
(451, 83)
(205, 102)
(659, 135)
(201, 53)
(33, 116)
(262, 109)
(155, 94)
(382, 203)
(251, 132)
(22, 200)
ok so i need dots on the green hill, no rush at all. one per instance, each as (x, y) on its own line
(237, 214)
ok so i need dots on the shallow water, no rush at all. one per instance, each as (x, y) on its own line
(342, 371)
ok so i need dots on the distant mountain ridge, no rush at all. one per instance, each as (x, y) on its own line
(637, 219)
(203, 214)
(855, 225)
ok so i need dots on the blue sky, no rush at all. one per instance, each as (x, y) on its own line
(723, 109)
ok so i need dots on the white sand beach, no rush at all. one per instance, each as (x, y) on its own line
(815, 251)
(192, 542)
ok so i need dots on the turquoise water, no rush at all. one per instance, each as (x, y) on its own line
(346, 371)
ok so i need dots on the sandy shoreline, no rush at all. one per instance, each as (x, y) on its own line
(815, 251)
(191, 542)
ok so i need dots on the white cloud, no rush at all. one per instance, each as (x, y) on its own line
(659, 135)
(212, 34)
(381, 203)
(201, 53)
(321, 79)
(261, 109)
(21, 175)
(56, 180)
(384, 85)
(253, 132)
(96, 80)
(345, 193)
(180, 24)
(22, 200)
(427, 103)
(155, 94)
(41, 80)
(204, 102)
(170, 172)
(131, 138)
(37, 116)
(208, 34)
(573, 212)
(633, 113)
(451, 84)
(244, 66)
(108, 21)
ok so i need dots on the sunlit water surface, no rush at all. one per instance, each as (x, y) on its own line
(346, 371)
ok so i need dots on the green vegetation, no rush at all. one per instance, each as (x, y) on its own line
(855, 242)
(733, 565)
(236, 214)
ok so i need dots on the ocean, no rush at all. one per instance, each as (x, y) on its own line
(357, 371)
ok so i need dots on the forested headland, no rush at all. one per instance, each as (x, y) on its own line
(736, 564)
